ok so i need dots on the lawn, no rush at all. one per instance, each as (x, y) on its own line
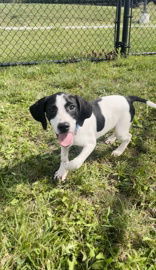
(37, 43)
(103, 216)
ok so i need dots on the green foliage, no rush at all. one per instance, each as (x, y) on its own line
(103, 216)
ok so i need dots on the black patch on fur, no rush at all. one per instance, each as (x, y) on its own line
(37, 111)
(131, 108)
(50, 108)
(130, 100)
(100, 120)
(71, 106)
(84, 110)
(45, 107)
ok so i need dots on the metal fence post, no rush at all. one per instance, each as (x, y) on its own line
(145, 6)
(117, 42)
(125, 32)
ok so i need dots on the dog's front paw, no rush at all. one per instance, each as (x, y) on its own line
(73, 164)
(61, 174)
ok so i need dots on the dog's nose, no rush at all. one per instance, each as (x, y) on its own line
(63, 127)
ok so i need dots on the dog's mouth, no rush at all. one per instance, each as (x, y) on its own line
(66, 139)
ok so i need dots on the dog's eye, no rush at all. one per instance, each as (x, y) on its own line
(71, 107)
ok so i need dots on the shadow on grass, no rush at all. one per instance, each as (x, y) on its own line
(36, 167)
(32, 169)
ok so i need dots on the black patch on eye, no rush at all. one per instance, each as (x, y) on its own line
(82, 108)
(70, 101)
(100, 120)
(51, 109)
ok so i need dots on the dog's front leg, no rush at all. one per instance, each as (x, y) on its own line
(77, 162)
(62, 171)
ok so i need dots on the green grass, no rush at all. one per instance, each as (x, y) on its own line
(51, 14)
(60, 43)
(103, 216)
(55, 44)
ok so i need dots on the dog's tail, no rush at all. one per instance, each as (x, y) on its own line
(132, 99)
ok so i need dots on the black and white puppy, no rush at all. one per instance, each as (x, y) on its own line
(79, 122)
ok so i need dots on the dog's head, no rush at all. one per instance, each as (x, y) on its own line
(64, 112)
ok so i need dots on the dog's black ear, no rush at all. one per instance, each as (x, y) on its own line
(37, 111)
(84, 108)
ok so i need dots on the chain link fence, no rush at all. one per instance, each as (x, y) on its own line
(70, 30)
(143, 28)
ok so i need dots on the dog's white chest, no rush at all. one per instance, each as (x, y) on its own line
(87, 133)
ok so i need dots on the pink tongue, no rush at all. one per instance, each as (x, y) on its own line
(66, 139)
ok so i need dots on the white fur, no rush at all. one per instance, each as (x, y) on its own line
(151, 104)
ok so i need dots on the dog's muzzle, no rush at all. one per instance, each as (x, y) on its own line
(63, 127)
(65, 137)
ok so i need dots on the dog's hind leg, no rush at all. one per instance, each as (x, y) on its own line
(125, 141)
(123, 135)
